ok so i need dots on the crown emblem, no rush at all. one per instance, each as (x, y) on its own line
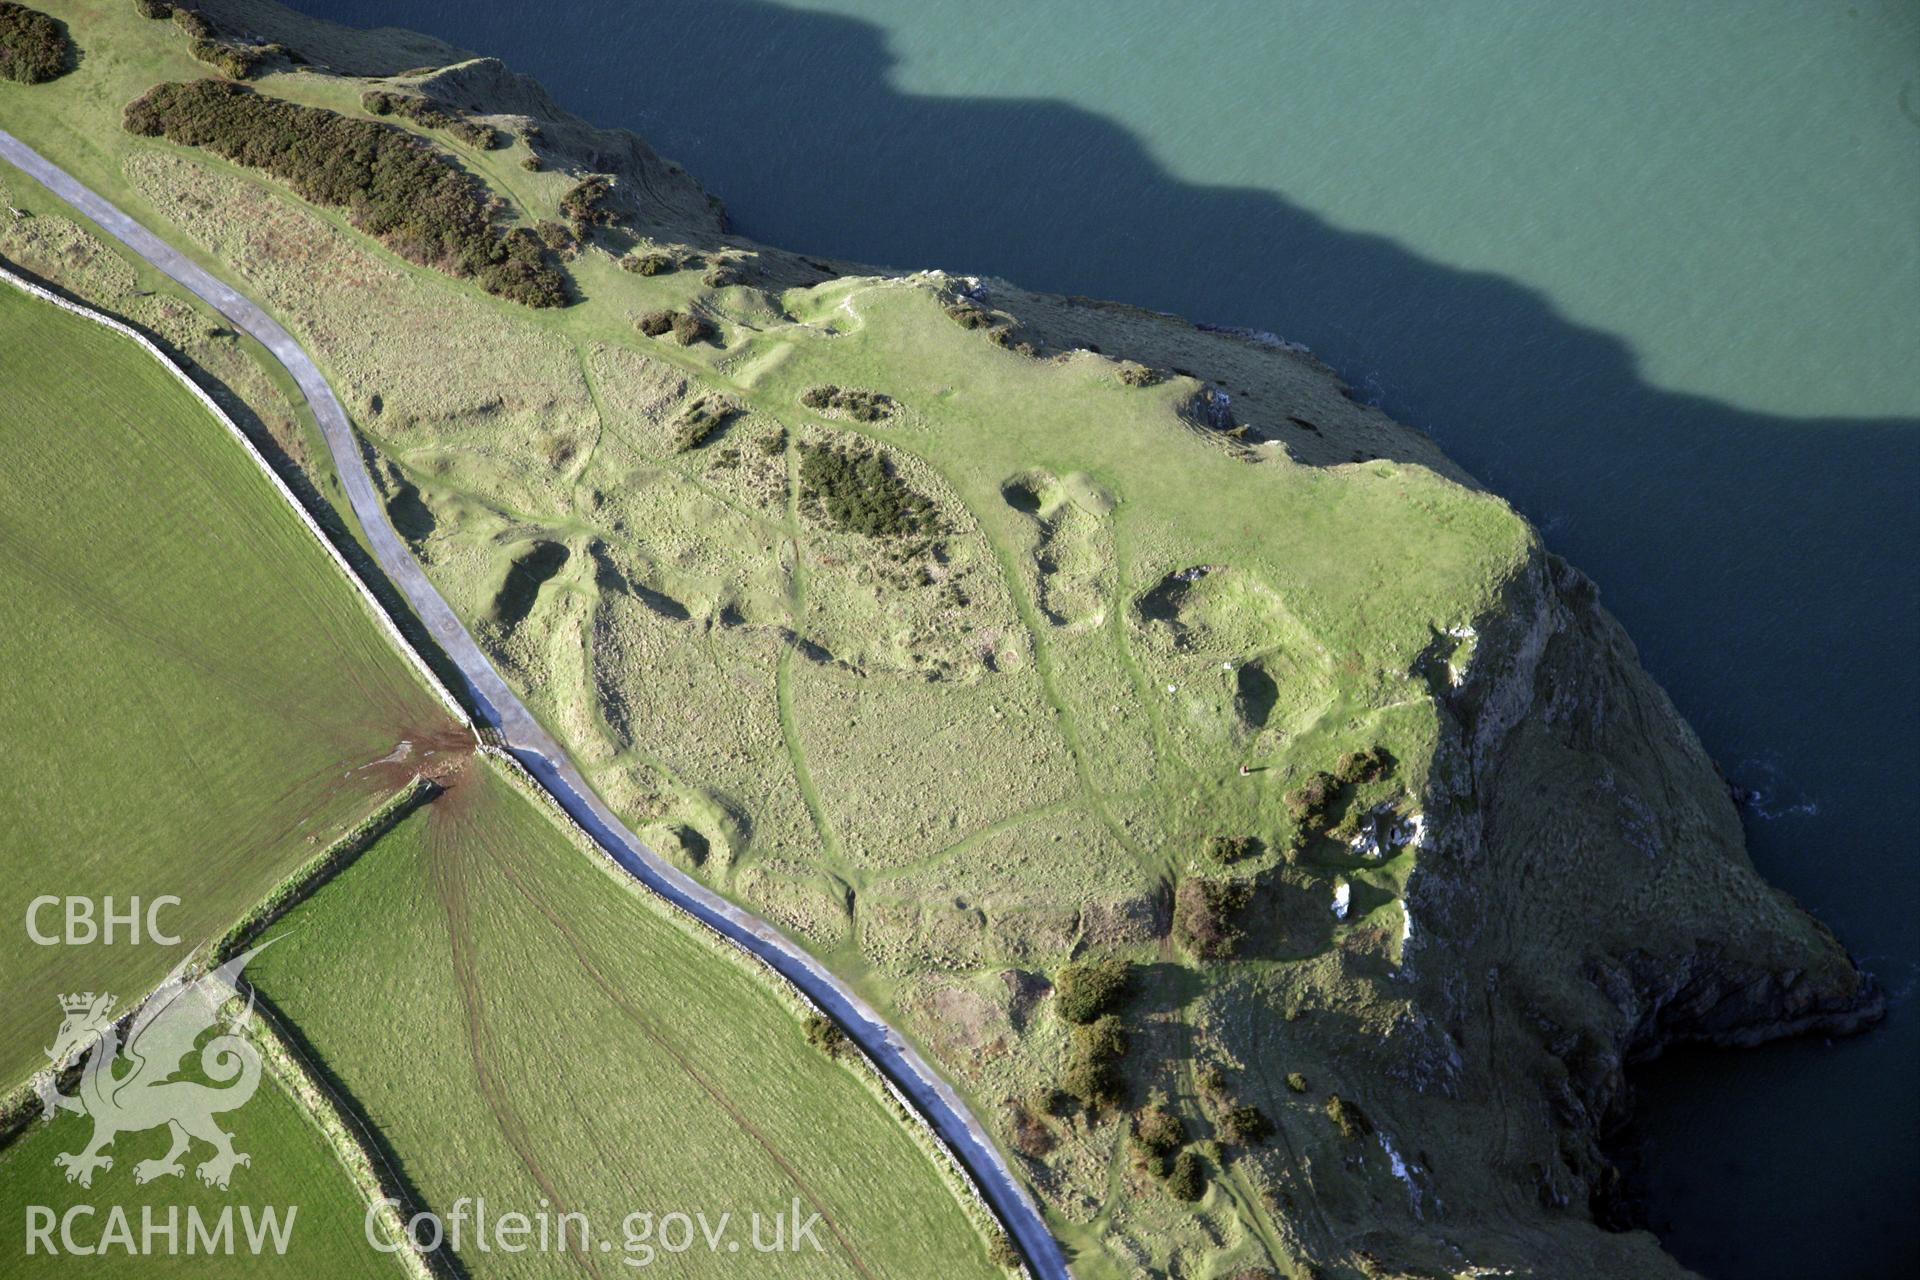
(82, 1002)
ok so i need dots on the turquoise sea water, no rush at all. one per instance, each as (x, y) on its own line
(1650, 269)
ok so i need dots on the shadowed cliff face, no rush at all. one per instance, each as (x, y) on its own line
(1758, 561)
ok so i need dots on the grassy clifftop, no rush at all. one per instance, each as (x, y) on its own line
(972, 634)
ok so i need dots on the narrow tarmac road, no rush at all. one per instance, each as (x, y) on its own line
(542, 756)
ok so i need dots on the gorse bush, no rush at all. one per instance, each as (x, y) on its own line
(861, 406)
(1105, 1038)
(701, 420)
(651, 263)
(194, 23)
(1246, 1124)
(689, 329)
(825, 1035)
(1309, 803)
(237, 61)
(860, 493)
(33, 47)
(585, 204)
(1084, 992)
(393, 186)
(1187, 1181)
(1093, 1076)
(381, 102)
(1227, 850)
(1348, 1117)
(1158, 1131)
(1204, 913)
(1369, 765)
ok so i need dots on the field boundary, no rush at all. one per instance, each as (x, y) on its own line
(316, 872)
(207, 402)
(345, 1135)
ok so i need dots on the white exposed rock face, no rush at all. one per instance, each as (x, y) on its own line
(1401, 1171)
(1342, 896)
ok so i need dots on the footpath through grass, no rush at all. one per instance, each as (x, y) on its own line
(526, 1026)
(194, 699)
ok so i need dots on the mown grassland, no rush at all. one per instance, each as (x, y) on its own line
(293, 1168)
(193, 693)
(520, 1022)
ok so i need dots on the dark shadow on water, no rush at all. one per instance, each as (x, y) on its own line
(1762, 563)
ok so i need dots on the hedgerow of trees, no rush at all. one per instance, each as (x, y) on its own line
(33, 47)
(392, 185)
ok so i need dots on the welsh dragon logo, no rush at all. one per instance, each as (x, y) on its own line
(131, 1087)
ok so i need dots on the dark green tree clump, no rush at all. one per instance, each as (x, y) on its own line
(1186, 1180)
(861, 406)
(585, 203)
(652, 263)
(33, 46)
(195, 23)
(1227, 850)
(1369, 765)
(1348, 1117)
(409, 106)
(1310, 803)
(1083, 992)
(237, 61)
(1001, 1253)
(824, 1034)
(689, 329)
(1204, 916)
(1092, 1076)
(1158, 1131)
(860, 492)
(1245, 1124)
(394, 187)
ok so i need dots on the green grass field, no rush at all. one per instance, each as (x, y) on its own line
(193, 694)
(292, 1166)
(525, 1025)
